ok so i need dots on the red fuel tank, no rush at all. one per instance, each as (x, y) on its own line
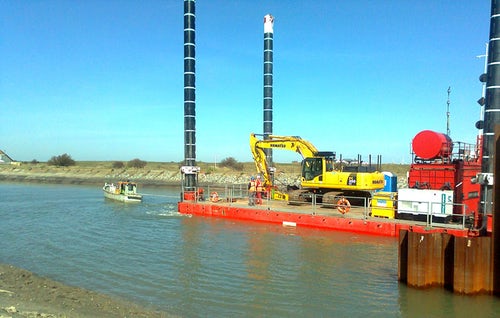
(429, 144)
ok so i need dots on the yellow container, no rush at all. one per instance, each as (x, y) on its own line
(384, 205)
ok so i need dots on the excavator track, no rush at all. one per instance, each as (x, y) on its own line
(331, 198)
(298, 197)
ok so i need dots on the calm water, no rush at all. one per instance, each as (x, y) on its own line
(194, 266)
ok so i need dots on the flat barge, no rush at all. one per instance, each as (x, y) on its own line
(357, 220)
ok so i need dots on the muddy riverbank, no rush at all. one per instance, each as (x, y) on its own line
(25, 294)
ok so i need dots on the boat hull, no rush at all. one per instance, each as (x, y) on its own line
(122, 191)
(123, 197)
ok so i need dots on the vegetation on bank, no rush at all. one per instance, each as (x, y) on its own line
(63, 160)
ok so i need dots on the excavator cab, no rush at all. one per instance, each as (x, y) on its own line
(316, 166)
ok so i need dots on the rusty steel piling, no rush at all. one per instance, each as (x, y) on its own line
(460, 264)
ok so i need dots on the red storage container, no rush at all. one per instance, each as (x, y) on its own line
(429, 144)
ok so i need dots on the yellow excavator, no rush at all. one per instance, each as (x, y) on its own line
(319, 174)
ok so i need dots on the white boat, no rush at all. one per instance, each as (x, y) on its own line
(124, 191)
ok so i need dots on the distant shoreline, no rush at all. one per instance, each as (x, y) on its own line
(154, 175)
(79, 181)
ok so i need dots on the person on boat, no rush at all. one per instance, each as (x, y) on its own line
(251, 191)
(259, 189)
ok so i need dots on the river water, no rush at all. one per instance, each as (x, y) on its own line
(208, 267)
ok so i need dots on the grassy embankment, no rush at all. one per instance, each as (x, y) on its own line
(154, 173)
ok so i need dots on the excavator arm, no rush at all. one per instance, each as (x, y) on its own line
(292, 143)
(259, 157)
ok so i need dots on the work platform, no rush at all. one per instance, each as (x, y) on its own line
(358, 219)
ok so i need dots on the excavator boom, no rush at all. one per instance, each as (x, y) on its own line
(293, 143)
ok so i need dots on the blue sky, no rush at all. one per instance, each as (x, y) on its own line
(103, 80)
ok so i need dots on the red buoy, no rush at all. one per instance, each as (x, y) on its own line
(429, 144)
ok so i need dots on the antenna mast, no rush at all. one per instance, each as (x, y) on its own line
(448, 112)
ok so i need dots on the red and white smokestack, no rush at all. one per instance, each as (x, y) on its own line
(268, 82)
(268, 23)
